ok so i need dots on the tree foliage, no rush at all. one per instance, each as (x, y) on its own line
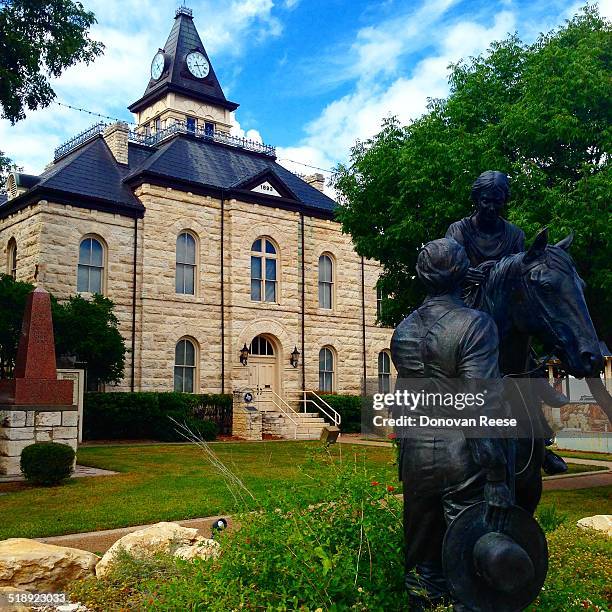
(85, 330)
(539, 112)
(39, 39)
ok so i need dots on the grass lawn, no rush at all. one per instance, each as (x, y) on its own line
(165, 482)
(579, 468)
(585, 455)
(173, 482)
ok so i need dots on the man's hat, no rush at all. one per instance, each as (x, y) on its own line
(494, 571)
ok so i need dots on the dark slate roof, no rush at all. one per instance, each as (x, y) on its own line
(206, 163)
(182, 39)
(3, 198)
(88, 176)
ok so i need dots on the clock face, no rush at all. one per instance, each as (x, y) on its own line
(197, 64)
(157, 65)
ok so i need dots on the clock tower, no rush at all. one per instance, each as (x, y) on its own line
(183, 87)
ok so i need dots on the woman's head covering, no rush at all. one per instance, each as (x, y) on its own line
(442, 265)
(491, 180)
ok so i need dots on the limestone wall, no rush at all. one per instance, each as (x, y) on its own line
(49, 234)
(25, 227)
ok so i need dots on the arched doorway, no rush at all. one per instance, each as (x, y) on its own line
(263, 368)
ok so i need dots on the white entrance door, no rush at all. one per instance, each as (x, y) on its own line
(263, 373)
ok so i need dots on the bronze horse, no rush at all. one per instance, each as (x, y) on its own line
(539, 294)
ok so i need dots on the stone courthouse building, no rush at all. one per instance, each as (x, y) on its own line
(206, 245)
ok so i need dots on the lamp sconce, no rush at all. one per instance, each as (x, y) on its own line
(294, 360)
(244, 355)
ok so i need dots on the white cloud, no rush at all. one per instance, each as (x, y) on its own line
(236, 130)
(358, 115)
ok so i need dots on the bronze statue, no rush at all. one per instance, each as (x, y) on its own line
(487, 237)
(457, 481)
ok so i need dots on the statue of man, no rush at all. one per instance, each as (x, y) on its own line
(442, 475)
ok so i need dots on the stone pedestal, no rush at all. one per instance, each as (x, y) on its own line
(246, 419)
(21, 426)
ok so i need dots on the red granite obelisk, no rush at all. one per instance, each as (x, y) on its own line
(35, 381)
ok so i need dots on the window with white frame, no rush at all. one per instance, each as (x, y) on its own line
(326, 281)
(90, 273)
(185, 366)
(185, 264)
(326, 370)
(384, 372)
(263, 271)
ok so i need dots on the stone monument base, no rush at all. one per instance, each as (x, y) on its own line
(23, 425)
(246, 419)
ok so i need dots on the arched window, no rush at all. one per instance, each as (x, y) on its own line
(326, 281)
(261, 346)
(384, 372)
(263, 271)
(184, 366)
(90, 273)
(185, 264)
(12, 258)
(326, 370)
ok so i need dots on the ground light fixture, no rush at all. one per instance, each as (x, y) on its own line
(294, 360)
(244, 354)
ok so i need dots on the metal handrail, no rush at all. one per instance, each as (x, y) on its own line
(180, 127)
(336, 418)
(281, 409)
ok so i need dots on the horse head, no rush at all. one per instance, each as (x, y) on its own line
(548, 303)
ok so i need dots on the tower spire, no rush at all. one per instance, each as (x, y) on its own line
(183, 77)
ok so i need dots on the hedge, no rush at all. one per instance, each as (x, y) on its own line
(349, 407)
(134, 416)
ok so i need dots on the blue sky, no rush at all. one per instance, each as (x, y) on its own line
(311, 76)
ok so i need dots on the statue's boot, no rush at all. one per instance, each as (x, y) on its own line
(553, 464)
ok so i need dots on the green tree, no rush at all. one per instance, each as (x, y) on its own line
(6, 167)
(539, 112)
(39, 39)
(84, 329)
(87, 330)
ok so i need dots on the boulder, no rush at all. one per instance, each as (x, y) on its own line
(202, 548)
(162, 537)
(600, 522)
(5, 603)
(33, 566)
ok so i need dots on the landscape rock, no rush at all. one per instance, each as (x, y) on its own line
(202, 548)
(161, 537)
(33, 566)
(5, 604)
(600, 522)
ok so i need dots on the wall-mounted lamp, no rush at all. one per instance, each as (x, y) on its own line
(295, 357)
(244, 355)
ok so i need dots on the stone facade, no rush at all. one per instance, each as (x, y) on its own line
(48, 237)
(139, 252)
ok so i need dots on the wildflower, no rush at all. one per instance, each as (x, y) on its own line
(390, 488)
(375, 483)
(360, 589)
(392, 436)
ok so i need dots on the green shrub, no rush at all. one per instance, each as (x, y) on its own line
(349, 407)
(47, 463)
(117, 416)
(550, 518)
(343, 554)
